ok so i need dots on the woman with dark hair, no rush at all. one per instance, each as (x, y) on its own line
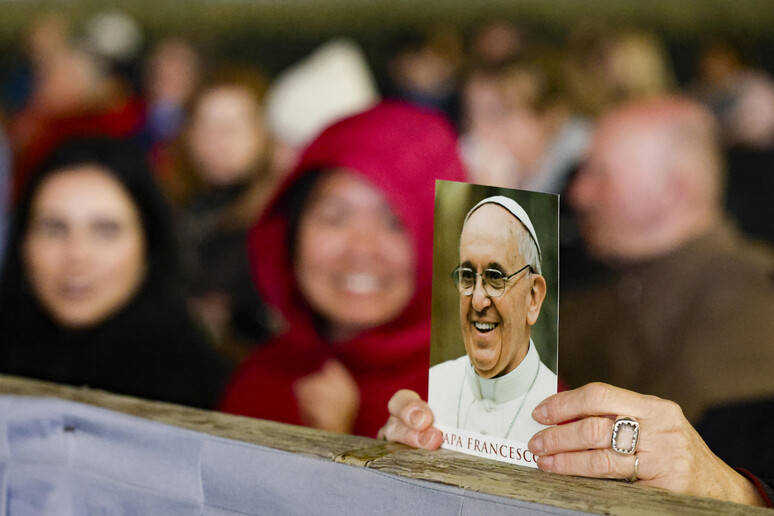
(223, 183)
(89, 293)
(343, 253)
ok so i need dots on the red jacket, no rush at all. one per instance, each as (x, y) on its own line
(401, 150)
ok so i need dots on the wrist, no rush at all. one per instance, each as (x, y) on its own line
(742, 489)
(763, 491)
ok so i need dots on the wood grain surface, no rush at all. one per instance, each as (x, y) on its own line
(442, 466)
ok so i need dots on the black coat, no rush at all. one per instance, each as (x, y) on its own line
(150, 349)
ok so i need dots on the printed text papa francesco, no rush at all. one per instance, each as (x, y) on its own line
(496, 450)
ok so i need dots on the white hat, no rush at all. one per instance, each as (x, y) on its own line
(516, 210)
(113, 35)
(330, 84)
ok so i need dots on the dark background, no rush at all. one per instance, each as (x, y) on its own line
(273, 34)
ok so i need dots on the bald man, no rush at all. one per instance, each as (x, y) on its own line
(686, 310)
(492, 389)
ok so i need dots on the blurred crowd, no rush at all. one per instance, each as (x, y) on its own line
(160, 280)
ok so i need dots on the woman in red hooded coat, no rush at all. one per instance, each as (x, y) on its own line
(344, 254)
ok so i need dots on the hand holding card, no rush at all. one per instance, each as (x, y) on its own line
(670, 455)
(411, 422)
(483, 397)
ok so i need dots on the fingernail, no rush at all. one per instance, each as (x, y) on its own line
(416, 417)
(546, 463)
(424, 439)
(540, 413)
(536, 445)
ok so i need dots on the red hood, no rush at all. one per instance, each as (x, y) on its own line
(402, 150)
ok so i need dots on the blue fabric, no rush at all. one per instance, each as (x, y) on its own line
(63, 458)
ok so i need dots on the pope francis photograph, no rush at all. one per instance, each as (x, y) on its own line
(492, 389)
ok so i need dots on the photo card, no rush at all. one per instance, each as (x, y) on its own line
(495, 317)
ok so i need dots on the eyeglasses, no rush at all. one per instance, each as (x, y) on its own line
(494, 281)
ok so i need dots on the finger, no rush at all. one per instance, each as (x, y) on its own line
(395, 430)
(336, 378)
(409, 408)
(330, 371)
(588, 433)
(400, 399)
(303, 387)
(594, 399)
(335, 368)
(591, 463)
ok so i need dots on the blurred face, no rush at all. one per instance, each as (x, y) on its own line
(227, 137)
(173, 72)
(47, 36)
(497, 112)
(497, 42)
(84, 251)
(68, 83)
(496, 330)
(523, 128)
(354, 261)
(621, 192)
(483, 103)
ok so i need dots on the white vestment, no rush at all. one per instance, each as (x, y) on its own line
(461, 399)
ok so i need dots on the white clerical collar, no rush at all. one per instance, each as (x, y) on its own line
(510, 386)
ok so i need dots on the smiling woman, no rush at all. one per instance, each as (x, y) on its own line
(344, 254)
(354, 261)
(88, 296)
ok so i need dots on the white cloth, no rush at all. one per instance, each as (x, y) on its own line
(332, 83)
(460, 398)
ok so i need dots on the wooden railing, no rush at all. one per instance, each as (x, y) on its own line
(442, 466)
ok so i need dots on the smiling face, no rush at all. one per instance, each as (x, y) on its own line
(84, 249)
(496, 330)
(354, 261)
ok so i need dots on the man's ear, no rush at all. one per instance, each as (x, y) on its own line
(537, 293)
